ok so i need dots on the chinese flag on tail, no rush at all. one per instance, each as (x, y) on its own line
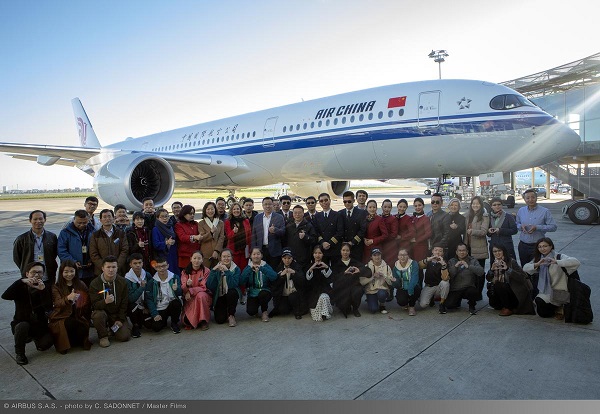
(397, 102)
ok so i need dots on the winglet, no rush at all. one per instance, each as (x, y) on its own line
(87, 136)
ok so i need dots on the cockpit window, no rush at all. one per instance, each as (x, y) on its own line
(503, 102)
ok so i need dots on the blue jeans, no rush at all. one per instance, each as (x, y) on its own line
(374, 300)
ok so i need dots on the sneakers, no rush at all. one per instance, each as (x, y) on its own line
(244, 298)
(472, 310)
(232, 321)
(104, 342)
(356, 313)
(22, 359)
(382, 309)
(442, 308)
(265, 316)
(175, 328)
(203, 326)
(411, 311)
(135, 331)
(298, 316)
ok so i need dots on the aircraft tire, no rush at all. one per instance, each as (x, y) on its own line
(428, 192)
(230, 201)
(583, 212)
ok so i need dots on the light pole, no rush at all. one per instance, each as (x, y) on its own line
(438, 57)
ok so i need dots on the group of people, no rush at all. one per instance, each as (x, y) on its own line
(170, 270)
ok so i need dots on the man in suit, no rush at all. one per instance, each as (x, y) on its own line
(268, 231)
(355, 225)
(329, 228)
(311, 208)
(286, 203)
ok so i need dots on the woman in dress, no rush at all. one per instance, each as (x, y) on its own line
(390, 245)
(70, 320)
(238, 232)
(319, 280)
(406, 229)
(212, 234)
(509, 288)
(196, 296)
(552, 292)
(376, 233)
(188, 238)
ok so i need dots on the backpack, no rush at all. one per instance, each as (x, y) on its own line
(579, 309)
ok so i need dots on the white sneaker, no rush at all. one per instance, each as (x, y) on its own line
(243, 299)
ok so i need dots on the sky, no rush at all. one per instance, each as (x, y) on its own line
(141, 67)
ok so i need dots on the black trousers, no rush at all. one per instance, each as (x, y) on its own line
(456, 296)
(173, 311)
(138, 317)
(284, 305)
(350, 298)
(502, 297)
(225, 306)
(404, 299)
(272, 261)
(77, 331)
(543, 309)
(261, 300)
(26, 331)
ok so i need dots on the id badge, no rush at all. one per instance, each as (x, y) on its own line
(84, 249)
(40, 258)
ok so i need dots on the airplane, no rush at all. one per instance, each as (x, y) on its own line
(416, 129)
(523, 178)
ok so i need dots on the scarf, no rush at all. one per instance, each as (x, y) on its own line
(165, 229)
(404, 272)
(212, 224)
(544, 282)
(239, 238)
(498, 219)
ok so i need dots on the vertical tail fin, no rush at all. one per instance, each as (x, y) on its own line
(87, 136)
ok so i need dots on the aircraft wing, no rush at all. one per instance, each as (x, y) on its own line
(73, 154)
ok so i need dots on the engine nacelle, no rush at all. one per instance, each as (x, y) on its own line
(335, 189)
(128, 179)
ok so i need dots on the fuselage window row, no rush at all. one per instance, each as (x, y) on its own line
(352, 119)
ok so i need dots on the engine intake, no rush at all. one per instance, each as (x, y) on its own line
(129, 179)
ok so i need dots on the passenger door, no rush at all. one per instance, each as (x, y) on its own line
(429, 109)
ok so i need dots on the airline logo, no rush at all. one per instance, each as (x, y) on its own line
(345, 110)
(397, 102)
(82, 129)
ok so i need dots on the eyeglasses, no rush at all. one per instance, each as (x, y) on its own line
(436, 202)
(286, 202)
(324, 200)
(348, 201)
(310, 202)
(36, 272)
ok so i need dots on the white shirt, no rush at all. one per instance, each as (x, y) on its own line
(266, 224)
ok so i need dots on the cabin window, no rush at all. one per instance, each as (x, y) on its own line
(335, 121)
(401, 112)
(304, 126)
(327, 122)
(343, 120)
(370, 117)
(320, 124)
(312, 125)
(352, 119)
(380, 115)
(390, 114)
(361, 117)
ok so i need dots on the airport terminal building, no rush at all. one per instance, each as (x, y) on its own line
(571, 93)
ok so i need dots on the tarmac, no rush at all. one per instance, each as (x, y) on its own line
(375, 357)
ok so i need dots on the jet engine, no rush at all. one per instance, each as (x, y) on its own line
(128, 179)
(335, 189)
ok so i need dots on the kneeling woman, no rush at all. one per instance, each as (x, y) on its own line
(162, 296)
(319, 287)
(376, 279)
(69, 322)
(552, 281)
(347, 291)
(224, 281)
(197, 297)
(509, 288)
(406, 281)
(257, 277)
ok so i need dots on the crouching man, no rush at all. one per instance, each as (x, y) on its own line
(109, 297)
(163, 294)
(30, 321)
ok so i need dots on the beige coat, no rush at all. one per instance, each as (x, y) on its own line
(477, 240)
(211, 241)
